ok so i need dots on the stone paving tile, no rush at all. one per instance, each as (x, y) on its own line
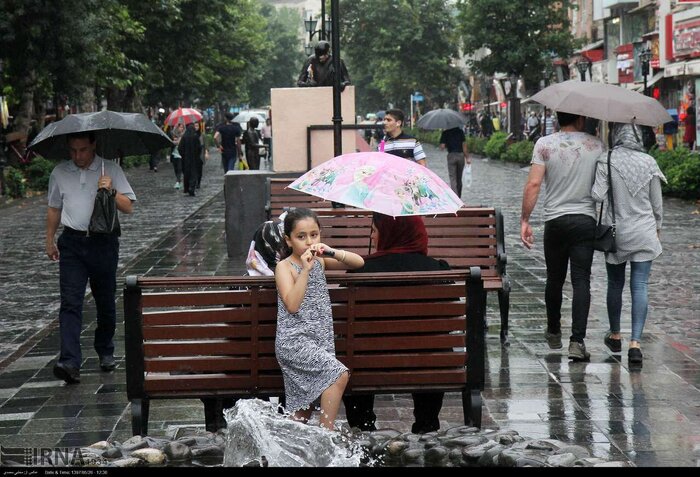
(615, 413)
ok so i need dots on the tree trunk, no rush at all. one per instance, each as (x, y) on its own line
(26, 85)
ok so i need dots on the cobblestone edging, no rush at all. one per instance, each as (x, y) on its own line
(456, 447)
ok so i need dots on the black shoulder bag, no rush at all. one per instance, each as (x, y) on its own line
(105, 218)
(605, 234)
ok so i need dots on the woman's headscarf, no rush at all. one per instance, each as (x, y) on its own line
(400, 235)
(629, 158)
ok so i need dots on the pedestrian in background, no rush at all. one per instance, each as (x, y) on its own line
(565, 161)
(397, 142)
(228, 140)
(638, 204)
(190, 149)
(457, 156)
(267, 139)
(81, 257)
(690, 132)
(175, 157)
(486, 124)
(252, 143)
(204, 155)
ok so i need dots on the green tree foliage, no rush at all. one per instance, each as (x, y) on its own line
(395, 48)
(193, 52)
(522, 35)
(282, 56)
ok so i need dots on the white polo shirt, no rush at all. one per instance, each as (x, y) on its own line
(73, 190)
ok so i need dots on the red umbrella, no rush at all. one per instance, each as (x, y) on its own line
(186, 115)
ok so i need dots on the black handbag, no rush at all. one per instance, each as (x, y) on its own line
(604, 240)
(105, 218)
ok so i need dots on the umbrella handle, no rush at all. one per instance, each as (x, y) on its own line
(381, 145)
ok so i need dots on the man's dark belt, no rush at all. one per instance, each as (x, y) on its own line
(70, 231)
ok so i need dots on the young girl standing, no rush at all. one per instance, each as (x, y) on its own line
(304, 343)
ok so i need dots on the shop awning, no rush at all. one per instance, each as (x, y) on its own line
(674, 69)
(692, 68)
(590, 46)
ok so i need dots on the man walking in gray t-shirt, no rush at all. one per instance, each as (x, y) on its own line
(565, 161)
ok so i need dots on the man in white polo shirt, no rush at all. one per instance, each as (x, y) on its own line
(72, 189)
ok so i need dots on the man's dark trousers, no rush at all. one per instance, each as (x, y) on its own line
(569, 238)
(81, 259)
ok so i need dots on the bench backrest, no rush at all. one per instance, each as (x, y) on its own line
(189, 337)
(279, 197)
(468, 239)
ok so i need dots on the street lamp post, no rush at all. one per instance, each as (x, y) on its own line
(645, 57)
(583, 65)
(514, 107)
(324, 33)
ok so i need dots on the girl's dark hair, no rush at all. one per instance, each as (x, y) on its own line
(293, 216)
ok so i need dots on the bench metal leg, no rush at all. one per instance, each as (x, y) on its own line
(504, 306)
(139, 417)
(471, 406)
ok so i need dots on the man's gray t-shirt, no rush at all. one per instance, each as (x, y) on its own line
(569, 159)
(73, 190)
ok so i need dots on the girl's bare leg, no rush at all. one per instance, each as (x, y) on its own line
(302, 415)
(330, 401)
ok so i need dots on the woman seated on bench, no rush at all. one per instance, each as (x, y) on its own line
(401, 246)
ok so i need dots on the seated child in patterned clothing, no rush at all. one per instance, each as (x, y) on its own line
(304, 344)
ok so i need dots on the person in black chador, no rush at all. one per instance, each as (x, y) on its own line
(318, 68)
(190, 149)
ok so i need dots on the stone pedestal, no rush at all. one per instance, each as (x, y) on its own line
(245, 194)
(293, 109)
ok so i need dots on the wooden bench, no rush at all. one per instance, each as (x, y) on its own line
(472, 238)
(199, 337)
(280, 197)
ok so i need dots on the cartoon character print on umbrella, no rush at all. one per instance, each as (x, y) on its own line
(360, 190)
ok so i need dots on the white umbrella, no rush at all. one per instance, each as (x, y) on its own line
(603, 101)
(441, 119)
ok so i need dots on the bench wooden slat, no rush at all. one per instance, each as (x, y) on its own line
(408, 326)
(392, 342)
(398, 378)
(418, 310)
(406, 360)
(206, 316)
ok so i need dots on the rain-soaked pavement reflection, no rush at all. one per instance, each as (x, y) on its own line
(648, 416)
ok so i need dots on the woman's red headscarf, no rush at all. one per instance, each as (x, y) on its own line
(400, 235)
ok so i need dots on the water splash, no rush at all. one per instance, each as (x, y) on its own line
(258, 432)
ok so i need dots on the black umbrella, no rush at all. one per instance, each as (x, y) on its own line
(441, 119)
(116, 135)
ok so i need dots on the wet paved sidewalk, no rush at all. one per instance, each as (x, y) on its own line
(649, 417)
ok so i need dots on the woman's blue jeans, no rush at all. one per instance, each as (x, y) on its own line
(639, 287)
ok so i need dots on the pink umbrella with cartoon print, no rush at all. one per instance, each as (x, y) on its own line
(380, 182)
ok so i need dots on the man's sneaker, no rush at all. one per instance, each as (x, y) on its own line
(553, 339)
(615, 345)
(107, 363)
(177, 185)
(67, 373)
(577, 351)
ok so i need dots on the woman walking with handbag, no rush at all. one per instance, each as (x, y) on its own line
(635, 180)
